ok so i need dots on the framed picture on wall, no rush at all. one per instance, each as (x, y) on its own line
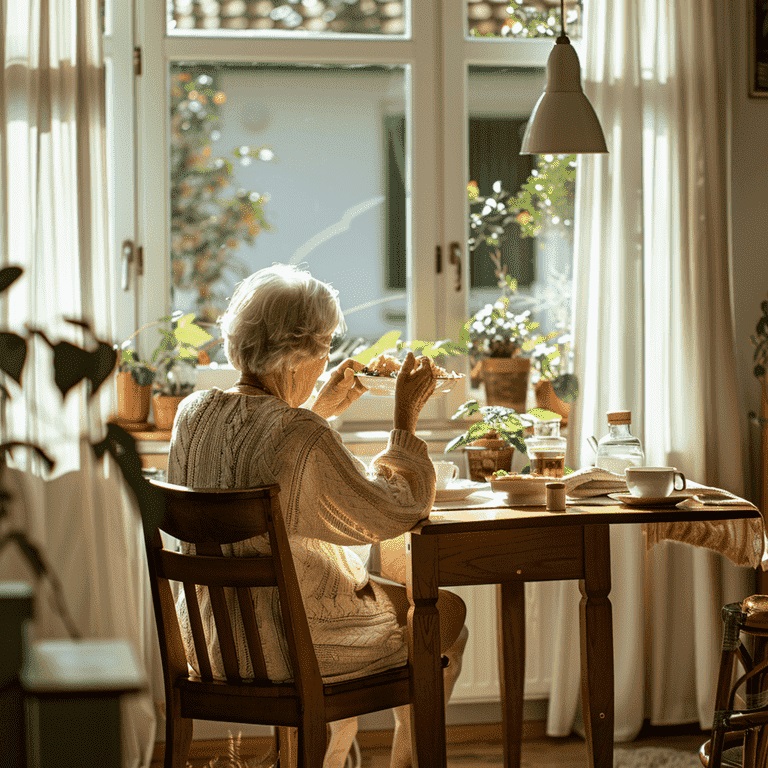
(758, 48)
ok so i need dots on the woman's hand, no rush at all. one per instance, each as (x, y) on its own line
(415, 384)
(340, 391)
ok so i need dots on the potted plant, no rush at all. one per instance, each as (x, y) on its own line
(555, 387)
(760, 359)
(499, 340)
(491, 442)
(134, 389)
(171, 371)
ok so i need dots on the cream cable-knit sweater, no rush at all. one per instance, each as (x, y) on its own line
(328, 499)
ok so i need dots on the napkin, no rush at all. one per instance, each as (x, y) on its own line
(593, 481)
(728, 499)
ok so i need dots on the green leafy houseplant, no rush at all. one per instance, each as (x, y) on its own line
(496, 423)
(173, 360)
(550, 363)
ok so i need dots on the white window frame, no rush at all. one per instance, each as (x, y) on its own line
(437, 61)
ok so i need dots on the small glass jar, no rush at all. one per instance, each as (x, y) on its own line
(546, 449)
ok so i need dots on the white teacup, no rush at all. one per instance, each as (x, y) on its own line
(445, 471)
(656, 482)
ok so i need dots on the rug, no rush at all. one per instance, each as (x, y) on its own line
(654, 757)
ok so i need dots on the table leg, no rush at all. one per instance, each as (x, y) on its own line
(597, 646)
(511, 630)
(427, 706)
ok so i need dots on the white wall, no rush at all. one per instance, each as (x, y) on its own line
(749, 190)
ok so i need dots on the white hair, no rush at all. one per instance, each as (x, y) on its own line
(277, 318)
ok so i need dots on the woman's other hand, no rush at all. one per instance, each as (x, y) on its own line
(340, 391)
(415, 384)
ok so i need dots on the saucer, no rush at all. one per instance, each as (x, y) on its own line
(648, 501)
(458, 490)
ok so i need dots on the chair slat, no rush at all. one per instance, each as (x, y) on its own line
(252, 636)
(217, 571)
(198, 635)
(224, 631)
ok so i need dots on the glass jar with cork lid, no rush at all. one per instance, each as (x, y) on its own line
(546, 448)
(619, 449)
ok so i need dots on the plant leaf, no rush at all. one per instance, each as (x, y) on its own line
(8, 276)
(188, 332)
(36, 449)
(121, 445)
(542, 414)
(101, 363)
(71, 364)
(31, 553)
(566, 387)
(387, 341)
(13, 354)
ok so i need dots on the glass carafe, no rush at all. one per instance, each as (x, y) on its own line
(619, 449)
(546, 449)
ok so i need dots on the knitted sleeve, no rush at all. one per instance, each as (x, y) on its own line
(334, 498)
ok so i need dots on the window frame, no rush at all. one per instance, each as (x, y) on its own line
(437, 61)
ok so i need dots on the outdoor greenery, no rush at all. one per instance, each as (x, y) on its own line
(210, 217)
(527, 20)
(546, 197)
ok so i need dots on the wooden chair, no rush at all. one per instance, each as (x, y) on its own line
(740, 735)
(208, 519)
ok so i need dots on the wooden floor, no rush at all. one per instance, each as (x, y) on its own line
(539, 752)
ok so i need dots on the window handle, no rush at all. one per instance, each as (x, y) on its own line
(126, 258)
(454, 259)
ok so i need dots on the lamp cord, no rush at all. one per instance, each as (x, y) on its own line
(562, 18)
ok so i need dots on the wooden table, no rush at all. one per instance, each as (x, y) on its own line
(505, 546)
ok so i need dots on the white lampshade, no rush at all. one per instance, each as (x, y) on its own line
(563, 121)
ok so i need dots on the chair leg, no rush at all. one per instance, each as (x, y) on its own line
(287, 745)
(178, 735)
(313, 740)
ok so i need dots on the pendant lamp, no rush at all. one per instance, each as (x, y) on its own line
(563, 121)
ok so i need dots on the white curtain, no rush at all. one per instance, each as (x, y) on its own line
(654, 334)
(53, 223)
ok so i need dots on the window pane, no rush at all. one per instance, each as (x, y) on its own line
(521, 207)
(302, 165)
(287, 17)
(518, 19)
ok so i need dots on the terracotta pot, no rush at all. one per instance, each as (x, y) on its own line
(486, 456)
(165, 407)
(546, 398)
(506, 381)
(132, 400)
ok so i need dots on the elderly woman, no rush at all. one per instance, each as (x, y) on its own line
(277, 332)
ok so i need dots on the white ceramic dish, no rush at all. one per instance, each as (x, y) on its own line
(458, 490)
(528, 491)
(384, 386)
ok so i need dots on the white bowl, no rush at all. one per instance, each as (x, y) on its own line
(384, 386)
(523, 490)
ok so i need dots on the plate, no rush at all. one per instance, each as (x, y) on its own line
(648, 501)
(459, 490)
(384, 386)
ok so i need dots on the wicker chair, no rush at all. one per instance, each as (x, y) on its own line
(740, 735)
(208, 519)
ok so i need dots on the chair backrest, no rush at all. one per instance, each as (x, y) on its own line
(209, 519)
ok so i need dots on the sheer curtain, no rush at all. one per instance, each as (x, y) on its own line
(654, 334)
(53, 223)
